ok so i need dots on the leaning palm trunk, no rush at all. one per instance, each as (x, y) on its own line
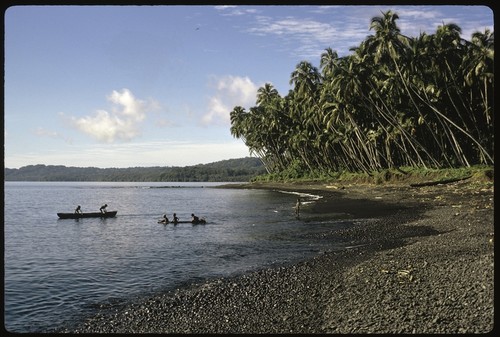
(440, 114)
(413, 143)
(453, 141)
(373, 162)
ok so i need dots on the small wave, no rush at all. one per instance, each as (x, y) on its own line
(303, 195)
(178, 186)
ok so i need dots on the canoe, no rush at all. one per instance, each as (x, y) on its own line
(201, 222)
(108, 214)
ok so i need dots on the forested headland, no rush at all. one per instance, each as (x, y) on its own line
(395, 101)
(231, 170)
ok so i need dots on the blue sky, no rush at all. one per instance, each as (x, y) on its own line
(126, 86)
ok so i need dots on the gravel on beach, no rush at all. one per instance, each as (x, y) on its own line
(424, 263)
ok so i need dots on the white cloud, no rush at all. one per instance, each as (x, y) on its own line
(46, 133)
(230, 91)
(132, 107)
(312, 36)
(122, 123)
(42, 132)
(234, 10)
(341, 28)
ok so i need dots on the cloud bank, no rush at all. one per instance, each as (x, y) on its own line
(122, 123)
(230, 91)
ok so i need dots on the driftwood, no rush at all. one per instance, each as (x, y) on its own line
(439, 182)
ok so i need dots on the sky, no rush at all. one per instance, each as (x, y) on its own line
(140, 86)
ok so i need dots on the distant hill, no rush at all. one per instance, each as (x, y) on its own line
(230, 170)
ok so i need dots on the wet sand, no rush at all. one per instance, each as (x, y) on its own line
(423, 263)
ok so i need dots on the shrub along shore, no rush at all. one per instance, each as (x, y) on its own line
(423, 264)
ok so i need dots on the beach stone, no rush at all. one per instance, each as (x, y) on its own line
(421, 261)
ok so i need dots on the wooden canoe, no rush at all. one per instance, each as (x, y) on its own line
(108, 214)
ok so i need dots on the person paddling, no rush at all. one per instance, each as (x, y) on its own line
(78, 210)
(197, 220)
(164, 220)
(176, 219)
(103, 208)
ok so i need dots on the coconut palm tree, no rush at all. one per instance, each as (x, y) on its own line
(395, 101)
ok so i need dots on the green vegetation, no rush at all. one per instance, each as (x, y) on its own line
(405, 175)
(225, 171)
(395, 104)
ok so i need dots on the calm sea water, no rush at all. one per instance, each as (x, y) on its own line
(58, 270)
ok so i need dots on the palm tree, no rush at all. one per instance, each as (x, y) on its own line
(479, 76)
(479, 67)
(455, 122)
(388, 43)
(396, 101)
(238, 118)
(266, 95)
(306, 80)
(329, 62)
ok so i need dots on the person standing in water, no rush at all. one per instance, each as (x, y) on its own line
(297, 208)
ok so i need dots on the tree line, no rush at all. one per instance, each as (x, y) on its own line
(395, 101)
(231, 170)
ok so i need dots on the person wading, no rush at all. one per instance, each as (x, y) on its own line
(297, 208)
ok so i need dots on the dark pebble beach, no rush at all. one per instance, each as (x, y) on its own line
(423, 263)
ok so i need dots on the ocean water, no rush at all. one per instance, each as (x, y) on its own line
(58, 270)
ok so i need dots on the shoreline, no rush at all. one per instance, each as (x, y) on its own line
(423, 263)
